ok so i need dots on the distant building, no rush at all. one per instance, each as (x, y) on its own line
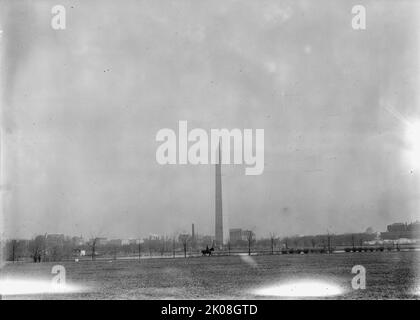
(248, 233)
(402, 230)
(54, 239)
(397, 227)
(235, 235)
(154, 237)
(115, 242)
(119, 242)
(125, 242)
(238, 234)
(135, 241)
(78, 241)
(100, 241)
(415, 226)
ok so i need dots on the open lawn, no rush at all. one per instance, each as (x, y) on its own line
(388, 275)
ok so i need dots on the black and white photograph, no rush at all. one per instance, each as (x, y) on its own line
(212, 151)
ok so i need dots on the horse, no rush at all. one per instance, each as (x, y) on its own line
(207, 251)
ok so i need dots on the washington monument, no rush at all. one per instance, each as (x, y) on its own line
(219, 210)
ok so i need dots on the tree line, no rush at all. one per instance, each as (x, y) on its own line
(40, 249)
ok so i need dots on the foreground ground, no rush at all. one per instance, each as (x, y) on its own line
(389, 275)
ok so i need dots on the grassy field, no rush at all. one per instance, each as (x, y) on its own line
(388, 275)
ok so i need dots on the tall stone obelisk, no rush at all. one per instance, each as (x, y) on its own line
(219, 210)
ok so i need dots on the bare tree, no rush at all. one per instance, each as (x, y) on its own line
(329, 243)
(93, 244)
(37, 248)
(114, 251)
(184, 240)
(13, 250)
(323, 244)
(329, 240)
(184, 244)
(296, 242)
(173, 247)
(139, 249)
(250, 238)
(273, 239)
(95, 240)
(163, 246)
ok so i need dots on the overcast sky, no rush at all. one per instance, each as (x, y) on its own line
(81, 108)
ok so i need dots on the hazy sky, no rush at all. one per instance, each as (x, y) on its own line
(81, 108)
